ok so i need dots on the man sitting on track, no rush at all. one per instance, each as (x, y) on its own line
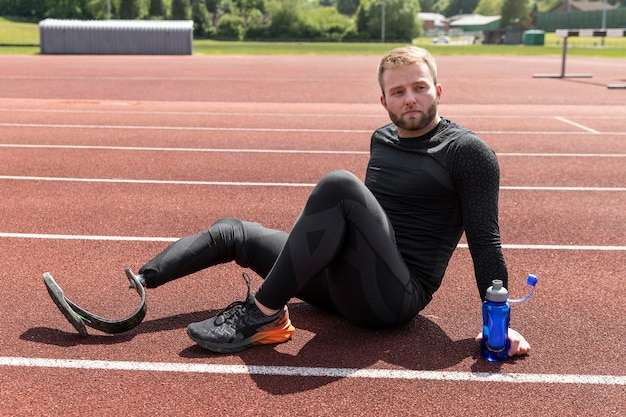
(373, 252)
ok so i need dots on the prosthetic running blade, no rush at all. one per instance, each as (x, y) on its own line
(79, 317)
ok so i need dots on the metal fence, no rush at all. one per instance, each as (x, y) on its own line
(130, 37)
(550, 22)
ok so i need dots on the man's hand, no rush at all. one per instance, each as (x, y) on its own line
(519, 345)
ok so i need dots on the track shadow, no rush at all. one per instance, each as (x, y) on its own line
(332, 343)
(585, 81)
(419, 345)
(62, 338)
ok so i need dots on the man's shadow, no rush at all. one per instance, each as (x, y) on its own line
(335, 343)
(328, 341)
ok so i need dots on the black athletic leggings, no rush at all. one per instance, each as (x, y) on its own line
(340, 255)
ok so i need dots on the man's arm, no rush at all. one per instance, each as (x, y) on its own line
(479, 186)
(477, 177)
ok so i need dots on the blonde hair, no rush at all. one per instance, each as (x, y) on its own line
(406, 55)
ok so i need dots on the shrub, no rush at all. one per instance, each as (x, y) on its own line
(230, 28)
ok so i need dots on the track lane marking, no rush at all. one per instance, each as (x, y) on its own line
(12, 235)
(265, 184)
(519, 378)
(578, 125)
(171, 149)
(261, 129)
(376, 114)
(167, 182)
(278, 151)
(183, 128)
(201, 113)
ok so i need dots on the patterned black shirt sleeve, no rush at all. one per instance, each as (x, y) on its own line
(476, 174)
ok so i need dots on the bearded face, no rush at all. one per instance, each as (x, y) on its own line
(415, 122)
(411, 98)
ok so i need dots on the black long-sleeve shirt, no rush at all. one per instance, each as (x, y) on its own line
(433, 188)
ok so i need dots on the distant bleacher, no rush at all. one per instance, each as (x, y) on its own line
(130, 37)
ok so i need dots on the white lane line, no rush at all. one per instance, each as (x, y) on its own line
(563, 155)
(578, 125)
(132, 112)
(88, 237)
(173, 239)
(168, 149)
(260, 129)
(519, 378)
(536, 134)
(265, 184)
(376, 114)
(183, 128)
(167, 182)
(554, 188)
(91, 78)
(278, 151)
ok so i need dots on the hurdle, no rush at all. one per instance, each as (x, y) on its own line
(565, 34)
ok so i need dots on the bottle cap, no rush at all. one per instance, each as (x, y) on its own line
(531, 282)
(497, 292)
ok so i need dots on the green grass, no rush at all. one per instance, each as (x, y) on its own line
(553, 46)
(17, 33)
(23, 38)
(211, 47)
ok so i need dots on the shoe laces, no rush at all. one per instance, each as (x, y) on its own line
(235, 310)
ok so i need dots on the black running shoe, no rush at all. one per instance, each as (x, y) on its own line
(240, 326)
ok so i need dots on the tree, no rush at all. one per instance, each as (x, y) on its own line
(30, 9)
(157, 8)
(65, 9)
(303, 20)
(200, 17)
(331, 24)
(440, 6)
(256, 28)
(97, 10)
(180, 9)
(400, 20)
(285, 17)
(212, 5)
(129, 9)
(460, 7)
(489, 7)
(515, 14)
(427, 6)
(347, 7)
(246, 6)
(230, 27)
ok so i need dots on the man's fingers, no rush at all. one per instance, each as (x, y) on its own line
(519, 345)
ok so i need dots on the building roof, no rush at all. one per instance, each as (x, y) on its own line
(436, 18)
(584, 6)
(474, 20)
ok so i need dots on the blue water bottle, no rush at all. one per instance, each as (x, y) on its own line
(495, 343)
(496, 315)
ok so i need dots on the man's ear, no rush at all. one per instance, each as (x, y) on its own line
(439, 91)
(383, 101)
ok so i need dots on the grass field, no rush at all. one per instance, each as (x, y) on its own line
(23, 38)
(16, 33)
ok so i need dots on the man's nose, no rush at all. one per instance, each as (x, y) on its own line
(410, 99)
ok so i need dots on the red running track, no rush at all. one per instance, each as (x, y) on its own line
(105, 160)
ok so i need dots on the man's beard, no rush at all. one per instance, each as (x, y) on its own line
(415, 124)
